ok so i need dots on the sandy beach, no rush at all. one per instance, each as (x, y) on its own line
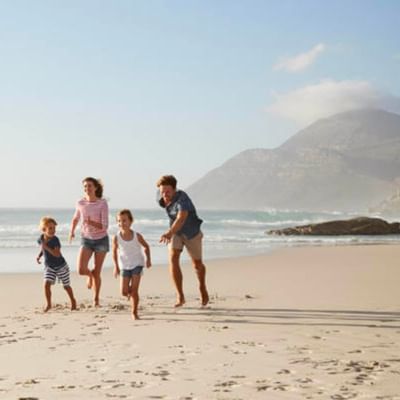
(296, 323)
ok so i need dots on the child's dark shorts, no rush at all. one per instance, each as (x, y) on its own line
(128, 273)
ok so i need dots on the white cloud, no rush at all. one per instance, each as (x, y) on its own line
(307, 104)
(301, 61)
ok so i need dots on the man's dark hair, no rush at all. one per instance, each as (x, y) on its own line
(167, 180)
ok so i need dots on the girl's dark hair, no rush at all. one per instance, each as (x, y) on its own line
(98, 184)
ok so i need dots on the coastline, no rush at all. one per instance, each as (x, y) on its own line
(298, 322)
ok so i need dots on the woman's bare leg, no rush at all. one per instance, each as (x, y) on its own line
(98, 265)
(83, 262)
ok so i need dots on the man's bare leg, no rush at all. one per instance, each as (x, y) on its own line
(201, 275)
(176, 274)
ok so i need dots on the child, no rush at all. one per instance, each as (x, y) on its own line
(55, 264)
(128, 255)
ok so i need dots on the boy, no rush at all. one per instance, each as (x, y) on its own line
(55, 264)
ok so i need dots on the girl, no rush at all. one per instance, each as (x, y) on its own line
(128, 255)
(92, 209)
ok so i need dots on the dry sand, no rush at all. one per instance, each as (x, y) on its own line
(298, 323)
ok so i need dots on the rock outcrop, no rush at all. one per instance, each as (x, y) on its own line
(354, 226)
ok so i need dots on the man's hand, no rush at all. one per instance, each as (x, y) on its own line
(166, 237)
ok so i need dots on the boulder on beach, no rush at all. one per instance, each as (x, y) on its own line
(354, 226)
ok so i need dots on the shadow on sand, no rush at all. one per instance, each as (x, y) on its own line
(271, 316)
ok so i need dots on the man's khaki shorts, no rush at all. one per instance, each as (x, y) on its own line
(193, 246)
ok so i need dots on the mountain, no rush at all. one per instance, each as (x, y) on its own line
(347, 162)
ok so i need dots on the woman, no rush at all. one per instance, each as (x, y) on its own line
(93, 211)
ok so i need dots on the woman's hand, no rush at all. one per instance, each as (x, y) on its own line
(94, 224)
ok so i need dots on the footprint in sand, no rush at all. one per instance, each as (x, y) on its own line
(284, 372)
(64, 387)
(137, 385)
(226, 385)
(28, 398)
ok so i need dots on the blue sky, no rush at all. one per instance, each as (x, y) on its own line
(129, 90)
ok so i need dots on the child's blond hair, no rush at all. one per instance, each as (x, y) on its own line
(45, 221)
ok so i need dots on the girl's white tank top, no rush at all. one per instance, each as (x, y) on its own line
(130, 252)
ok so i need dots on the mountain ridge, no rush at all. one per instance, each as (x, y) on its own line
(345, 162)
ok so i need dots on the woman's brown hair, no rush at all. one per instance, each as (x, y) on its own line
(97, 184)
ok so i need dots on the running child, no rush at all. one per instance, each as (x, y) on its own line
(130, 254)
(55, 264)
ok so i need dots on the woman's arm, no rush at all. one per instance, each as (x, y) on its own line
(74, 223)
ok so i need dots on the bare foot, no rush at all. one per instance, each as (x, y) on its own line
(47, 308)
(73, 305)
(204, 298)
(180, 302)
(89, 282)
(135, 316)
(96, 303)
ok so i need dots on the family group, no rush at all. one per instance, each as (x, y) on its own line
(130, 251)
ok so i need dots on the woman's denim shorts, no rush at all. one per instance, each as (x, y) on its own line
(97, 245)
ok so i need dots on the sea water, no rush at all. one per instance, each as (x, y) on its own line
(226, 234)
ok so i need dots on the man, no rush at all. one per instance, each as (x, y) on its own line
(184, 231)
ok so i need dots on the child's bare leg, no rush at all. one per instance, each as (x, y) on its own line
(135, 295)
(83, 262)
(47, 293)
(70, 293)
(125, 287)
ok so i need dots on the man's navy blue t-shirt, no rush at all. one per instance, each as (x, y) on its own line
(182, 202)
(49, 259)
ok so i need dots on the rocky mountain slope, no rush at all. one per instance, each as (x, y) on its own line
(346, 162)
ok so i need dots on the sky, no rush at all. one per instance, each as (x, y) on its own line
(127, 91)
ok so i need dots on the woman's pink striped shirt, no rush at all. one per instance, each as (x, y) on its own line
(97, 211)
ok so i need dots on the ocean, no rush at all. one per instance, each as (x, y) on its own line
(226, 234)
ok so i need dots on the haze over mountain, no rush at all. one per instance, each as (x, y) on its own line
(347, 162)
